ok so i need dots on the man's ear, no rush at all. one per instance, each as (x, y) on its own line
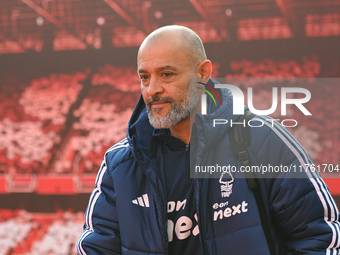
(204, 70)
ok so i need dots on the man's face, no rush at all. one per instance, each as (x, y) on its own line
(165, 70)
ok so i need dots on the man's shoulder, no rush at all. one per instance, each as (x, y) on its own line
(269, 139)
(264, 127)
(118, 153)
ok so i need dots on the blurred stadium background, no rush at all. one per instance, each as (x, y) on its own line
(68, 85)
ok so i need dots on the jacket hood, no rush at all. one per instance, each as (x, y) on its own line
(139, 135)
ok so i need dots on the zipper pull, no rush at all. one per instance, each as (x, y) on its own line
(187, 147)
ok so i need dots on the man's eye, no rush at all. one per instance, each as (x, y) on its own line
(167, 74)
(143, 77)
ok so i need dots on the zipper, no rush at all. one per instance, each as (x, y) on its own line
(157, 193)
(187, 161)
(197, 198)
(198, 209)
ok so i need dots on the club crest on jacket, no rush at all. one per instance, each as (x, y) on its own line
(226, 181)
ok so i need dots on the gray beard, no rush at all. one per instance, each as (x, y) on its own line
(178, 112)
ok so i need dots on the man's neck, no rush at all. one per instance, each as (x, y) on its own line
(182, 130)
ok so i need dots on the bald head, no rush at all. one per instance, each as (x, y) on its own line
(188, 40)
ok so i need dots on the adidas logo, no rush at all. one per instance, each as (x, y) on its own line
(142, 201)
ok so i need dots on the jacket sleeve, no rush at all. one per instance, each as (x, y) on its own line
(306, 216)
(302, 209)
(101, 229)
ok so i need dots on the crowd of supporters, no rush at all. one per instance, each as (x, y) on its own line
(307, 67)
(14, 228)
(25, 145)
(101, 126)
(33, 119)
(35, 130)
(61, 235)
(100, 120)
(50, 98)
(121, 78)
(27, 233)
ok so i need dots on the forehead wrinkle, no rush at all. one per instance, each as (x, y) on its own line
(167, 67)
(159, 69)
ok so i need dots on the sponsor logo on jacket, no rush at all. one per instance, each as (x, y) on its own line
(142, 201)
(222, 210)
(183, 227)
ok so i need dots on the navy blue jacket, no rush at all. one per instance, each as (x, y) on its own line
(127, 209)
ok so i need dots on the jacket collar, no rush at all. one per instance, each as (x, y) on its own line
(204, 129)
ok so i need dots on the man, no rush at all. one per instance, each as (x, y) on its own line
(145, 202)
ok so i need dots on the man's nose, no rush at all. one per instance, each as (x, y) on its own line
(154, 87)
